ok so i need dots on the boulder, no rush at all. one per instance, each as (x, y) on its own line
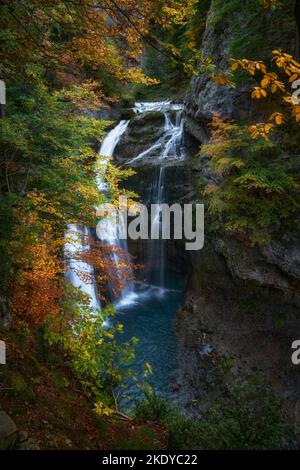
(143, 132)
(8, 431)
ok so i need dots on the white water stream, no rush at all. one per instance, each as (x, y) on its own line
(170, 145)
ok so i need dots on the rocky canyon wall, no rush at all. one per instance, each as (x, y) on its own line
(241, 309)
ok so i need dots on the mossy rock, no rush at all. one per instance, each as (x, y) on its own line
(127, 101)
(8, 431)
(20, 387)
(127, 113)
(155, 118)
(143, 131)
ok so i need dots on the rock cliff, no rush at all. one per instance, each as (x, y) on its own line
(276, 265)
(241, 310)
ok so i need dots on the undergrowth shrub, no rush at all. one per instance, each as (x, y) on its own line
(247, 416)
(258, 193)
(88, 342)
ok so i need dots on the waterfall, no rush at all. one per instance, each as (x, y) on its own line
(169, 146)
(156, 248)
(151, 316)
(75, 233)
(107, 149)
(110, 230)
(74, 244)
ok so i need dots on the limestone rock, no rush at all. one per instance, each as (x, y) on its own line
(8, 431)
(29, 444)
(204, 97)
(143, 131)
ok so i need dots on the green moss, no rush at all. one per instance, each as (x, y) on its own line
(227, 364)
(20, 387)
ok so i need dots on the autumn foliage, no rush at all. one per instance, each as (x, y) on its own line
(36, 291)
(102, 39)
(279, 83)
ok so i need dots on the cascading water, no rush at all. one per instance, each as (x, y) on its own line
(76, 242)
(169, 146)
(109, 230)
(147, 309)
(155, 275)
(107, 149)
(76, 235)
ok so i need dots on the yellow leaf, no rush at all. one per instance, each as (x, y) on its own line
(279, 119)
(265, 82)
(263, 92)
(273, 88)
(293, 77)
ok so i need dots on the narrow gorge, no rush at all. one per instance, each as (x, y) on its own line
(232, 295)
(113, 334)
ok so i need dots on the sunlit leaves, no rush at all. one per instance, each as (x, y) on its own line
(222, 79)
(258, 93)
(277, 118)
(79, 38)
(272, 83)
(260, 130)
(87, 339)
(255, 189)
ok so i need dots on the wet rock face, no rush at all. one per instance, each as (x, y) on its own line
(241, 300)
(233, 270)
(151, 132)
(146, 175)
(204, 97)
(274, 266)
(142, 133)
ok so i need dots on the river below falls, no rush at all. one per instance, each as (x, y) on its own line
(150, 318)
